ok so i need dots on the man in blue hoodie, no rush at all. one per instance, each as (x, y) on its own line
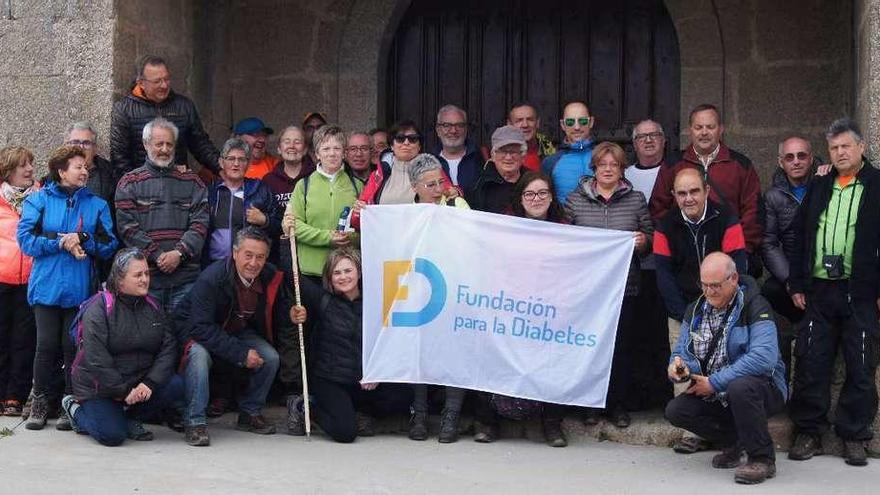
(572, 161)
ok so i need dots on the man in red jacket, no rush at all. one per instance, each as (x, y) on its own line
(731, 176)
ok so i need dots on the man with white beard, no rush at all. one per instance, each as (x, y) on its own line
(164, 212)
(461, 160)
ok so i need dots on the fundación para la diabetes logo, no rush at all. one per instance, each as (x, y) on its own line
(392, 290)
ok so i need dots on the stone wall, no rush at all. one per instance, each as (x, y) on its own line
(775, 68)
(54, 69)
(867, 70)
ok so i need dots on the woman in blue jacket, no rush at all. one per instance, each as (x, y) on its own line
(64, 227)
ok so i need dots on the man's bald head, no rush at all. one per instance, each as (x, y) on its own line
(719, 279)
(689, 174)
(691, 191)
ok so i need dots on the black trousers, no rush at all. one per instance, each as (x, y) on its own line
(779, 298)
(834, 321)
(751, 400)
(621, 363)
(17, 343)
(53, 342)
(337, 403)
(649, 385)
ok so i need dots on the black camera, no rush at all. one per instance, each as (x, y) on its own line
(833, 264)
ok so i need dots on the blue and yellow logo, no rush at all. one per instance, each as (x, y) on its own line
(393, 291)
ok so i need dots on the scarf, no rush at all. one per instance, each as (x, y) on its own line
(15, 196)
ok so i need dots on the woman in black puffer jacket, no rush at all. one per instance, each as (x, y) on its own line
(126, 357)
(345, 406)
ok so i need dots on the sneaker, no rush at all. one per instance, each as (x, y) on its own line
(69, 404)
(218, 407)
(197, 436)
(63, 421)
(729, 458)
(136, 431)
(691, 445)
(755, 471)
(364, 423)
(553, 434)
(296, 424)
(448, 427)
(11, 407)
(805, 447)
(485, 433)
(592, 416)
(854, 453)
(38, 413)
(619, 417)
(418, 426)
(254, 424)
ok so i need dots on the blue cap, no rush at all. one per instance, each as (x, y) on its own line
(251, 125)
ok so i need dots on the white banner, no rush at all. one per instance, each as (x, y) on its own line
(490, 302)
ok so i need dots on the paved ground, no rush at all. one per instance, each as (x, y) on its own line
(56, 462)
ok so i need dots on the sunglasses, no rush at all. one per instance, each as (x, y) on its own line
(583, 121)
(801, 155)
(412, 138)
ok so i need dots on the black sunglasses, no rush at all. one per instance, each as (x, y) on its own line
(412, 138)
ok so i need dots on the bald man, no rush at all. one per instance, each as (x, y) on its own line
(728, 354)
(572, 161)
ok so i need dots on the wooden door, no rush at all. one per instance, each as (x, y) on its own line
(621, 57)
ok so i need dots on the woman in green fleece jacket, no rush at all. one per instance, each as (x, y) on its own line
(318, 201)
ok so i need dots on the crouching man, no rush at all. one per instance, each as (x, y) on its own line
(728, 352)
(238, 311)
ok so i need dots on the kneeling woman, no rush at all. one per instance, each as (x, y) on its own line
(124, 367)
(344, 405)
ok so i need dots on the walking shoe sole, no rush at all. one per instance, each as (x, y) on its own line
(749, 481)
(248, 429)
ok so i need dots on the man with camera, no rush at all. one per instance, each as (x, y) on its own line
(835, 277)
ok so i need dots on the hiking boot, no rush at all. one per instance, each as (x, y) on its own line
(592, 416)
(69, 404)
(136, 431)
(755, 471)
(805, 447)
(729, 458)
(448, 427)
(364, 424)
(691, 445)
(26, 409)
(197, 436)
(418, 426)
(254, 424)
(218, 407)
(619, 417)
(553, 434)
(484, 433)
(296, 424)
(11, 407)
(63, 421)
(38, 413)
(854, 453)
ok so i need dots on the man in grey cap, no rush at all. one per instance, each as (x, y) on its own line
(493, 191)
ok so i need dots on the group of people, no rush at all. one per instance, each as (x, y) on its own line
(130, 289)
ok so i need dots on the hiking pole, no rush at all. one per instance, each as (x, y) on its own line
(302, 344)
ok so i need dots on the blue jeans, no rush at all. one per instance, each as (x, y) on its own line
(170, 297)
(198, 367)
(106, 420)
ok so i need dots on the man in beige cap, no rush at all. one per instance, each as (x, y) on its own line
(493, 191)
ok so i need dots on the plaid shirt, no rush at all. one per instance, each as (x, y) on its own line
(711, 322)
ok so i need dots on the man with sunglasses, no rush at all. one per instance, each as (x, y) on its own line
(572, 161)
(461, 160)
(781, 202)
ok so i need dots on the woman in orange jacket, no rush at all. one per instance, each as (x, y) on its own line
(17, 328)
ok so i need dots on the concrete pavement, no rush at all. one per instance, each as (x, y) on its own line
(55, 462)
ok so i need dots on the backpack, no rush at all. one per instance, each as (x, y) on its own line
(75, 332)
(305, 182)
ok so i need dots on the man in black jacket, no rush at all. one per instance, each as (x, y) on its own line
(151, 96)
(238, 311)
(835, 277)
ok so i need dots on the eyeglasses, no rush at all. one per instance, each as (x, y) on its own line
(81, 143)
(166, 80)
(412, 138)
(236, 159)
(508, 153)
(584, 121)
(715, 286)
(801, 155)
(649, 135)
(531, 195)
(433, 184)
(359, 149)
(447, 126)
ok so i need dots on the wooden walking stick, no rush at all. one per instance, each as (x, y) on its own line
(302, 344)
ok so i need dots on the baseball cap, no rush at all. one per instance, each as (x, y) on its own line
(251, 125)
(507, 135)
